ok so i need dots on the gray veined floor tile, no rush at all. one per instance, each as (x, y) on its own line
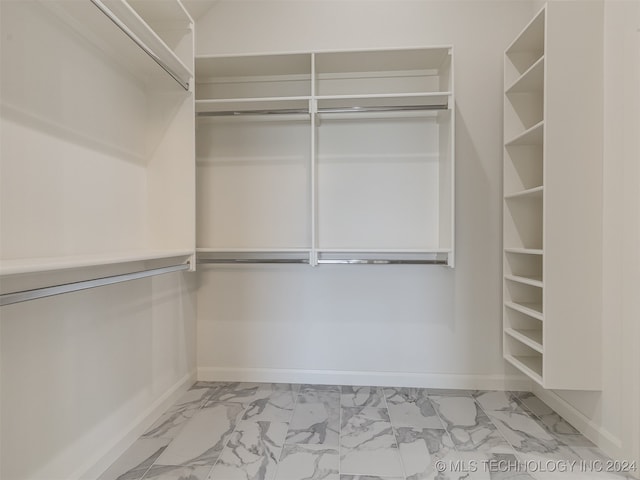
(242, 392)
(552, 421)
(449, 392)
(362, 397)
(252, 452)
(308, 462)
(329, 394)
(411, 407)
(177, 473)
(277, 406)
(202, 439)
(314, 423)
(405, 395)
(530, 439)
(498, 401)
(368, 444)
(420, 449)
(470, 428)
(136, 460)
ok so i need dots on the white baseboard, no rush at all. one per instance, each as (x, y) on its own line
(383, 379)
(604, 439)
(93, 468)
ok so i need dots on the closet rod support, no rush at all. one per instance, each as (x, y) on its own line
(26, 295)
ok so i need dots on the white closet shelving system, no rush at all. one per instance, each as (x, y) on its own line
(97, 170)
(326, 157)
(553, 198)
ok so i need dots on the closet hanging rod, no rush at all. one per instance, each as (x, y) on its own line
(305, 111)
(234, 113)
(371, 261)
(252, 260)
(26, 295)
(127, 31)
(397, 108)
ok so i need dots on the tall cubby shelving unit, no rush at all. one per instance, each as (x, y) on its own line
(326, 157)
(97, 166)
(552, 198)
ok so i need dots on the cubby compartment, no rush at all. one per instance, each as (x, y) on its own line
(524, 358)
(524, 328)
(391, 72)
(524, 298)
(522, 223)
(253, 77)
(523, 168)
(522, 111)
(524, 267)
(525, 51)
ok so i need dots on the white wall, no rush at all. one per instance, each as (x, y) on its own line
(81, 370)
(612, 417)
(403, 325)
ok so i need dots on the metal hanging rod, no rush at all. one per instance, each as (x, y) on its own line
(364, 261)
(398, 108)
(305, 111)
(237, 113)
(127, 31)
(26, 295)
(252, 260)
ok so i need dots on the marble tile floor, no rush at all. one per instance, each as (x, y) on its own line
(258, 431)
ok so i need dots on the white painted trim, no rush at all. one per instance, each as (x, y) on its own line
(384, 379)
(611, 444)
(116, 446)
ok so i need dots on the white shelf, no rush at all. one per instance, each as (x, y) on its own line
(48, 264)
(533, 281)
(532, 309)
(531, 136)
(531, 338)
(529, 365)
(535, 192)
(525, 251)
(530, 81)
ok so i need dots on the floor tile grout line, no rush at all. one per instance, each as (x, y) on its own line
(539, 417)
(442, 422)
(284, 442)
(395, 434)
(340, 433)
(520, 459)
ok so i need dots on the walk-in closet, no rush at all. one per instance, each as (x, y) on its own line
(330, 240)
